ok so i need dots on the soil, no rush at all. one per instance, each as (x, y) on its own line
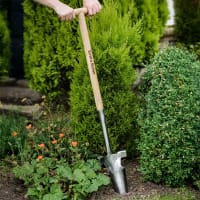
(12, 188)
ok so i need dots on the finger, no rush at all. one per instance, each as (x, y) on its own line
(89, 11)
(69, 17)
(95, 9)
(62, 18)
(92, 11)
(99, 7)
(73, 15)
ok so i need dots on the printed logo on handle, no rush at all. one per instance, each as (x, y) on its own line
(91, 61)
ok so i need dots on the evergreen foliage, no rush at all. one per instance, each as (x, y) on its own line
(187, 21)
(112, 45)
(187, 29)
(51, 47)
(50, 50)
(52, 57)
(170, 130)
(4, 44)
(154, 14)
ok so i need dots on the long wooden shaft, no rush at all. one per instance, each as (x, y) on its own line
(90, 61)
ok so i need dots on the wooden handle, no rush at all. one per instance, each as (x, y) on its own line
(77, 11)
(90, 61)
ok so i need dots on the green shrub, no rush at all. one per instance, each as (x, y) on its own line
(4, 44)
(154, 15)
(57, 166)
(111, 47)
(194, 48)
(50, 50)
(12, 133)
(169, 121)
(187, 29)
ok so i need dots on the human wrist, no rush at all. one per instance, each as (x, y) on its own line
(56, 4)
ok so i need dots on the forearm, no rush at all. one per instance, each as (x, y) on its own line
(65, 12)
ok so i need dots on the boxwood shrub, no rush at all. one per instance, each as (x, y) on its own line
(170, 119)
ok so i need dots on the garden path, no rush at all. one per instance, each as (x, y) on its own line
(15, 95)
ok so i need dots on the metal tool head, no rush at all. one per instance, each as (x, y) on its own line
(111, 161)
(117, 171)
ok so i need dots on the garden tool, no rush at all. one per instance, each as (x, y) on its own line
(111, 161)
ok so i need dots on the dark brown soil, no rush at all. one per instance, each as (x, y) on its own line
(13, 189)
(138, 188)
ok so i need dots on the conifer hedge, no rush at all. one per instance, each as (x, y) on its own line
(187, 29)
(123, 34)
(51, 47)
(4, 43)
(112, 45)
(187, 21)
(50, 50)
(154, 14)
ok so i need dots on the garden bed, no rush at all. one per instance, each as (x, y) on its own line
(12, 188)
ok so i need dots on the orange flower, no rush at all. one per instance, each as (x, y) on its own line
(61, 135)
(54, 141)
(14, 134)
(29, 125)
(41, 145)
(74, 143)
(39, 157)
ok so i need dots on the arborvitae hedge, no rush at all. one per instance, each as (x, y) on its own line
(4, 43)
(50, 50)
(154, 14)
(50, 46)
(170, 129)
(113, 38)
(187, 21)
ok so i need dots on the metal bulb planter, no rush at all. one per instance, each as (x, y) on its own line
(111, 161)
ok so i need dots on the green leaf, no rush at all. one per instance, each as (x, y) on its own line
(56, 196)
(94, 164)
(93, 187)
(79, 175)
(41, 170)
(55, 193)
(33, 192)
(103, 179)
(64, 172)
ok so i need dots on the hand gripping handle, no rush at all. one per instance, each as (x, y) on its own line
(80, 12)
(77, 11)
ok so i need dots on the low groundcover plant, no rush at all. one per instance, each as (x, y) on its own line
(57, 167)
